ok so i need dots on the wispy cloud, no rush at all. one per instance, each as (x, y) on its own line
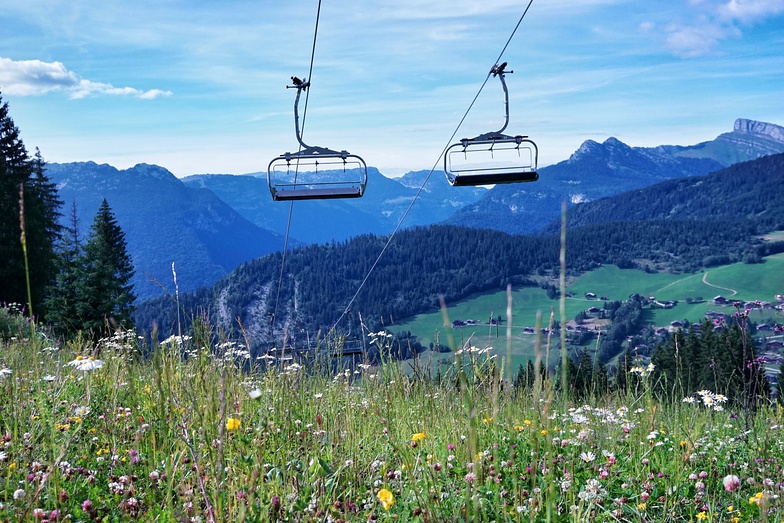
(690, 41)
(712, 21)
(35, 78)
(750, 11)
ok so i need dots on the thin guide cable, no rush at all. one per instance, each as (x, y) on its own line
(291, 204)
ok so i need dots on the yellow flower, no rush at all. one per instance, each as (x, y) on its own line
(418, 436)
(232, 424)
(386, 498)
(528, 422)
(544, 432)
(641, 506)
(487, 420)
(702, 516)
(756, 498)
(519, 428)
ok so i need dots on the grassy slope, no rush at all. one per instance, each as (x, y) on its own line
(752, 282)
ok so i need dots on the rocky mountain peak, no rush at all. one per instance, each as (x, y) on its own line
(769, 130)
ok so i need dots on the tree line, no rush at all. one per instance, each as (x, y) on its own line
(722, 360)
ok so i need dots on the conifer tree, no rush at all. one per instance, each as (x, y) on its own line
(41, 213)
(105, 296)
(62, 301)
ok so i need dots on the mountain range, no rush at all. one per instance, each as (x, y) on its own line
(597, 170)
(208, 224)
(681, 230)
(378, 212)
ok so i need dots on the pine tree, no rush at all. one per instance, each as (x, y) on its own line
(42, 221)
(105, 296)
(62, 301)
(622, 371)
(41, 213)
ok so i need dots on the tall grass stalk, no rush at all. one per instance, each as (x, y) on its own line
(562, 303)
(23, 239)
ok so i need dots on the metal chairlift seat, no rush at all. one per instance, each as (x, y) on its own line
(315, 173)
(494, 157)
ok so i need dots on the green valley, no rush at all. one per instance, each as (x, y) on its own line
(738, 281)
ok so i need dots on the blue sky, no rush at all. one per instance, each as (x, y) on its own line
(199, 86)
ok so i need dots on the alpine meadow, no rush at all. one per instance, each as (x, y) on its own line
(550, 325)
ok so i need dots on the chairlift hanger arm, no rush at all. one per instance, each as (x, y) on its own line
(499, 71)
(305, 149)
(299, 85)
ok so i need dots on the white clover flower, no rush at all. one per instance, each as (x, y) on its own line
(255, 394)
(5, 372)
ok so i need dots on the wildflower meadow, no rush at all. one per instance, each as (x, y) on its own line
(197, 430)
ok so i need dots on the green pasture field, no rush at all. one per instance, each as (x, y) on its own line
(742, 282)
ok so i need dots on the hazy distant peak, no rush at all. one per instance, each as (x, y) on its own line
(586, 148)
(591, 148)
(152, 171)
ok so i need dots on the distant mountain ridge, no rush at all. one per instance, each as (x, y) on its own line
(748, 140)
(164, 221)
(597, 170)
(377, 212)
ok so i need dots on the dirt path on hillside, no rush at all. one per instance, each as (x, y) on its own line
(706, 282)
(678, 281)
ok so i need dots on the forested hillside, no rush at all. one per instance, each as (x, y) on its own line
(423, 263)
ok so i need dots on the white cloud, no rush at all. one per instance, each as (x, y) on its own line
(707, 23)
(34, 78)
(749, 11)
(697, 40)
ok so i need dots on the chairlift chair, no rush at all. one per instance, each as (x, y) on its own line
(315, 173)
(494, 157)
